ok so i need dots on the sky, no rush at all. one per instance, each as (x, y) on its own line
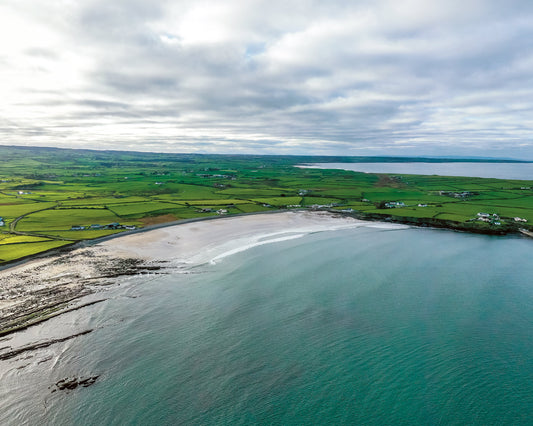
(380, 77)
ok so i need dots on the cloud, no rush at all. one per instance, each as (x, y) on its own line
(301, 77)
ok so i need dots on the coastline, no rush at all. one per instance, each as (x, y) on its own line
(192, 243)
(359, 215)
(470, 227)
(95, 241)
(44, 287)
(49, 284)
(176, 327)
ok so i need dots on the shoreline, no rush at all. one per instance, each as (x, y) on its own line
(435, 223)
(359, 215)
(51, 283)
(44, 287)
(92, 242)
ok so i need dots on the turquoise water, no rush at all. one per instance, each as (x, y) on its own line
(361, 326)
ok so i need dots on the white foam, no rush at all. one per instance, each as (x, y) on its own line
(254, 244)
(240, 245)
(188, 245)
(218, 252)
(382, 225)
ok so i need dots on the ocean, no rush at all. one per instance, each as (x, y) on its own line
(372, 325)
(519, 171)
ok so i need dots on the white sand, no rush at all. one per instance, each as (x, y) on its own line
(211, 241)
(43, 282)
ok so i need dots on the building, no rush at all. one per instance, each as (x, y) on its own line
(493, 218)
(114, 225)
(394, 204)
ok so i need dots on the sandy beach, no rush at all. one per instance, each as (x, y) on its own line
(40, 289)
(209, 241)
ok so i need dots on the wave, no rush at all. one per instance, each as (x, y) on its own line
(244, 244)
(240, 245)
(383, 225)
(252, 245)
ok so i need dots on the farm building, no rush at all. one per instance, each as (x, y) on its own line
(394, 204)
(114, 225)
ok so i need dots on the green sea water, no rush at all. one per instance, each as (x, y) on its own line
(367, 326)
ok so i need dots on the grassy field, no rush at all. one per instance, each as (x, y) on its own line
(9, 252)
(44, 192)
(64, 219)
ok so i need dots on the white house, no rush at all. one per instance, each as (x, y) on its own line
(394, 204)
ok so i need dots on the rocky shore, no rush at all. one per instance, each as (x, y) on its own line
(42, 289)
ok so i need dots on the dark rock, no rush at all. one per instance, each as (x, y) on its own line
(71, 384)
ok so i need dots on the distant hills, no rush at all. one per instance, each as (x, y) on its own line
(9, 151)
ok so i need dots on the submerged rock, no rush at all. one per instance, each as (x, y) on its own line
(73, 383)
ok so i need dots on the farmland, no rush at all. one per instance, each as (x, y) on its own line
(51, 197)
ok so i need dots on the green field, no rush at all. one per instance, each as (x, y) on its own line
(139, 209)
(9, 252)
(279, 201)
(64, 219)
(44, 192)
(18, 209)
(18, 239)
(102, 201)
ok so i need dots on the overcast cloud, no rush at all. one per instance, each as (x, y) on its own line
(439, 77)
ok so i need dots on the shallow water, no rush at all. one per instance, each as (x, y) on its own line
(367, 326)
(522, 171)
